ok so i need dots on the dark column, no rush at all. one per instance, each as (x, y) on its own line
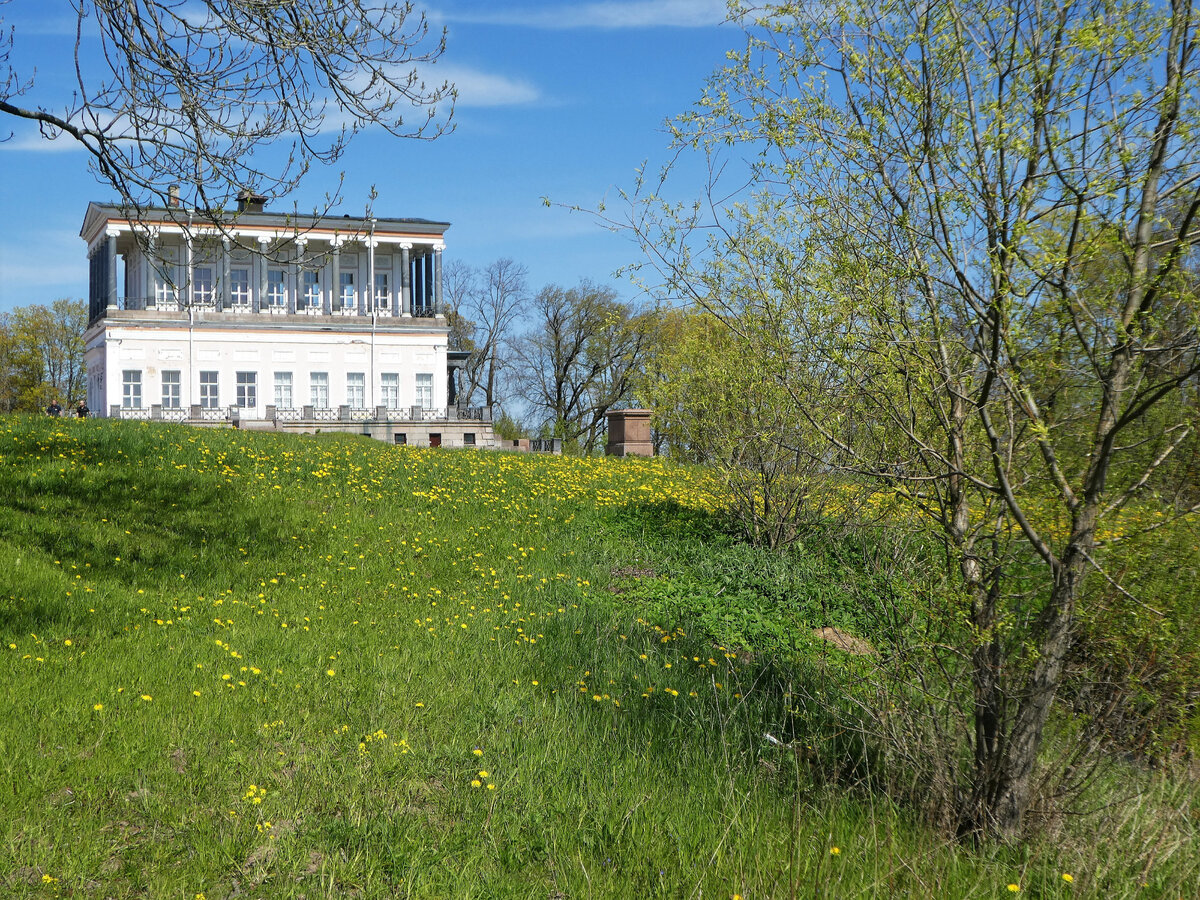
(418, 300)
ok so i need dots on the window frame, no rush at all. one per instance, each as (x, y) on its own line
(172, 389)
(203, 293)
(284, 382)
(247, 390)
(389, 389)
(131, 388)
(277, 291)
(210, 389)
(423, 390)
(356, 390)
(239, 290)
(319, 382)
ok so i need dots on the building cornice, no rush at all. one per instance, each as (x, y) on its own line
(282, 227)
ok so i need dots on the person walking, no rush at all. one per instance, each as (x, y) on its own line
(54, 409)
(81, 410)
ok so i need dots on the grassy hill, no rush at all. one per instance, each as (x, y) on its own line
(257, 665)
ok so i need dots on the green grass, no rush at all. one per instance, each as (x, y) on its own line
(337, 638)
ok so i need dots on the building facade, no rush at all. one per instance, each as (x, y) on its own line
(332, 323)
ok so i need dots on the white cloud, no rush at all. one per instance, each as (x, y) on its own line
(476, 88)
(45, 265)
(31, 141)
(605, 14)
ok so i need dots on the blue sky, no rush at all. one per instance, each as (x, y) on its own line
(556, 99)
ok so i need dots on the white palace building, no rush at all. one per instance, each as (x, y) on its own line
(332, 323)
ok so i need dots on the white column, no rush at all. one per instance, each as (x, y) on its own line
(301, 251)
(294, 295)
(369, 287)
(261, 261)
(225, 298)
(187, 268)
(335, 276)
(110, 249)
(437, 278)
(405, 281)
(396, 278)
(149, 269)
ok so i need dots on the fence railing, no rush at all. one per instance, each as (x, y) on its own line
(246, 307)
(344, 413)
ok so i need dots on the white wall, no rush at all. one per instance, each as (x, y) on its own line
(155, 348)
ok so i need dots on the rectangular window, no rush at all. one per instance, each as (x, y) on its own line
(312, 290)
(425, 390)
(346, 282)
(165, 294)
(319, 382)
(469, 439)
(131, 388)
(283, 390)
(209, 398)
(400, 438)
(171, 394)
(389, 389)
(276, 289)
(356, 393)
(239, 287)
(247, 390)
(383, 296)
(202, 285)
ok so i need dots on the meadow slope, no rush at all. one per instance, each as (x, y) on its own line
(256, 665)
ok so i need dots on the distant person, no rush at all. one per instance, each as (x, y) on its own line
(54, 409)
(81, 410)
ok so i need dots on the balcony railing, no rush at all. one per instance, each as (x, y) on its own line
(303, 415)
(245, 307)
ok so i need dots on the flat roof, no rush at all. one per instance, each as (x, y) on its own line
(301, 222)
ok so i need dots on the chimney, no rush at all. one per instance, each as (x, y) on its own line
(173, 195)
(248, 201)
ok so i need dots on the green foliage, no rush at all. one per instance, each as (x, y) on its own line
(725, 393)
(41, 356)
(507, 428)
(960, 262)
(1139, 652)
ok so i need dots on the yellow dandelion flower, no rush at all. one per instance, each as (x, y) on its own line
(330, 672)
(475, 782)
(147, 697)
(476, 751)
(1014, 888)
(834, 851)
(1067, 877)
(483, 773)
(491, 787)
(98, 707)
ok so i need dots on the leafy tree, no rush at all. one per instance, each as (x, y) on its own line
(192, 93)
(41, 355)
(578, 359)
(721, 397)
(973, 219)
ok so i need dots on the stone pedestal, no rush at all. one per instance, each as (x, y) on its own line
(629, 433)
